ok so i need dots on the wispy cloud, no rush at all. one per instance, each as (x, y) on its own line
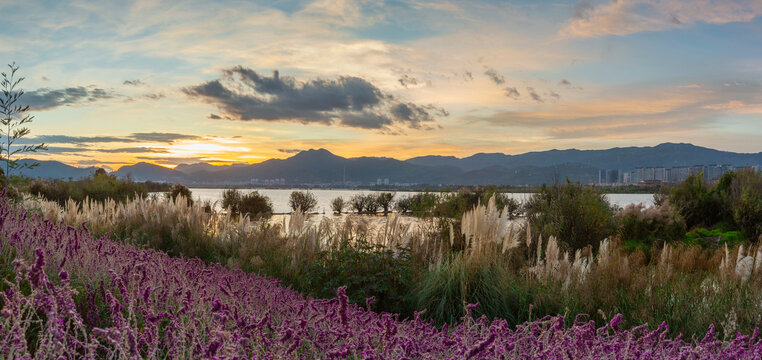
(162, 137)
(629, 17)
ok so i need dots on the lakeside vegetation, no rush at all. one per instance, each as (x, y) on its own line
(68, 294)
(566, 251)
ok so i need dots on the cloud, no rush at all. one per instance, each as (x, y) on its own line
(290, 151)
(65, 139)
(582, 9)
(494, 76)
(130, 150)
(406, 80)
(132, 138)
(98, 162)
(629, 17)
(136, 82)
(736, 107)
(535, 96)
(638, 113)
(243, 94)
(565, 82)
(162, 137)
(156, 96)
(214, 117)
(512, 92)
(554, 94)
(46, 99)
(172, 160)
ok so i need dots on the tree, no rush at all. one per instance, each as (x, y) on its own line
(304, 200)
(337, 205)
(180, 190)
(253, 204)
(384, 200)
(358, 202)
(576, 215)
(371, 204)
(14, 116)
(404, 204)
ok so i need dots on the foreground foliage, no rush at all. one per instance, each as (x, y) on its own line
(73, 295)
(495, 261)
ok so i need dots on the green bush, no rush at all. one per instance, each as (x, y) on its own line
(649, 226)
(422, 204)
(97, 187)
(698, 204)
(745, 197)
(444, 292)
(735, 201)
(577, 216)
(366, 270)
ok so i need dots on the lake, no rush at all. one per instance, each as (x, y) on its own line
(279, 197)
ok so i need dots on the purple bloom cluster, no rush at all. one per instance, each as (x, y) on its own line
(157, 306)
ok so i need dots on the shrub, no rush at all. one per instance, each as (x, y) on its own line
(384, 200)
(637, 224)
(577, 216)
(698, 204)
(182, 191)
(745, 197)
(422, 204)
(403, 205)
(444, 291)
(303, 200)
(97, 188)
(366, 270)
(253, 204)
(371, 204)
(337, 205)
(359, 202)
(231, 198)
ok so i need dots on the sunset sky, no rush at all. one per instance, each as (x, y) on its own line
(168, 82)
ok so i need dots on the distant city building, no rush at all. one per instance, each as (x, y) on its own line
(658, 174)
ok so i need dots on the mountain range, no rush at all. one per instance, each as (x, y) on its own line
(323, 167)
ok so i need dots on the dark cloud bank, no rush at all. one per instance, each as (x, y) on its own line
(45, 99)
(243, 94)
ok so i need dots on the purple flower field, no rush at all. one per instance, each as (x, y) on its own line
(71, 295)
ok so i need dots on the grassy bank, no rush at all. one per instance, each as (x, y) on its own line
(516, 269)
(67, 294)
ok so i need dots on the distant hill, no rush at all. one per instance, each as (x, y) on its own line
(143, 171)
(320, 166)
(625, 158)
(54, 170)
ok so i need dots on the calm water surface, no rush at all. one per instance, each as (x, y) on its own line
(279, 197)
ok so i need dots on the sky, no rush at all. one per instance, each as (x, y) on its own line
(118, 82)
